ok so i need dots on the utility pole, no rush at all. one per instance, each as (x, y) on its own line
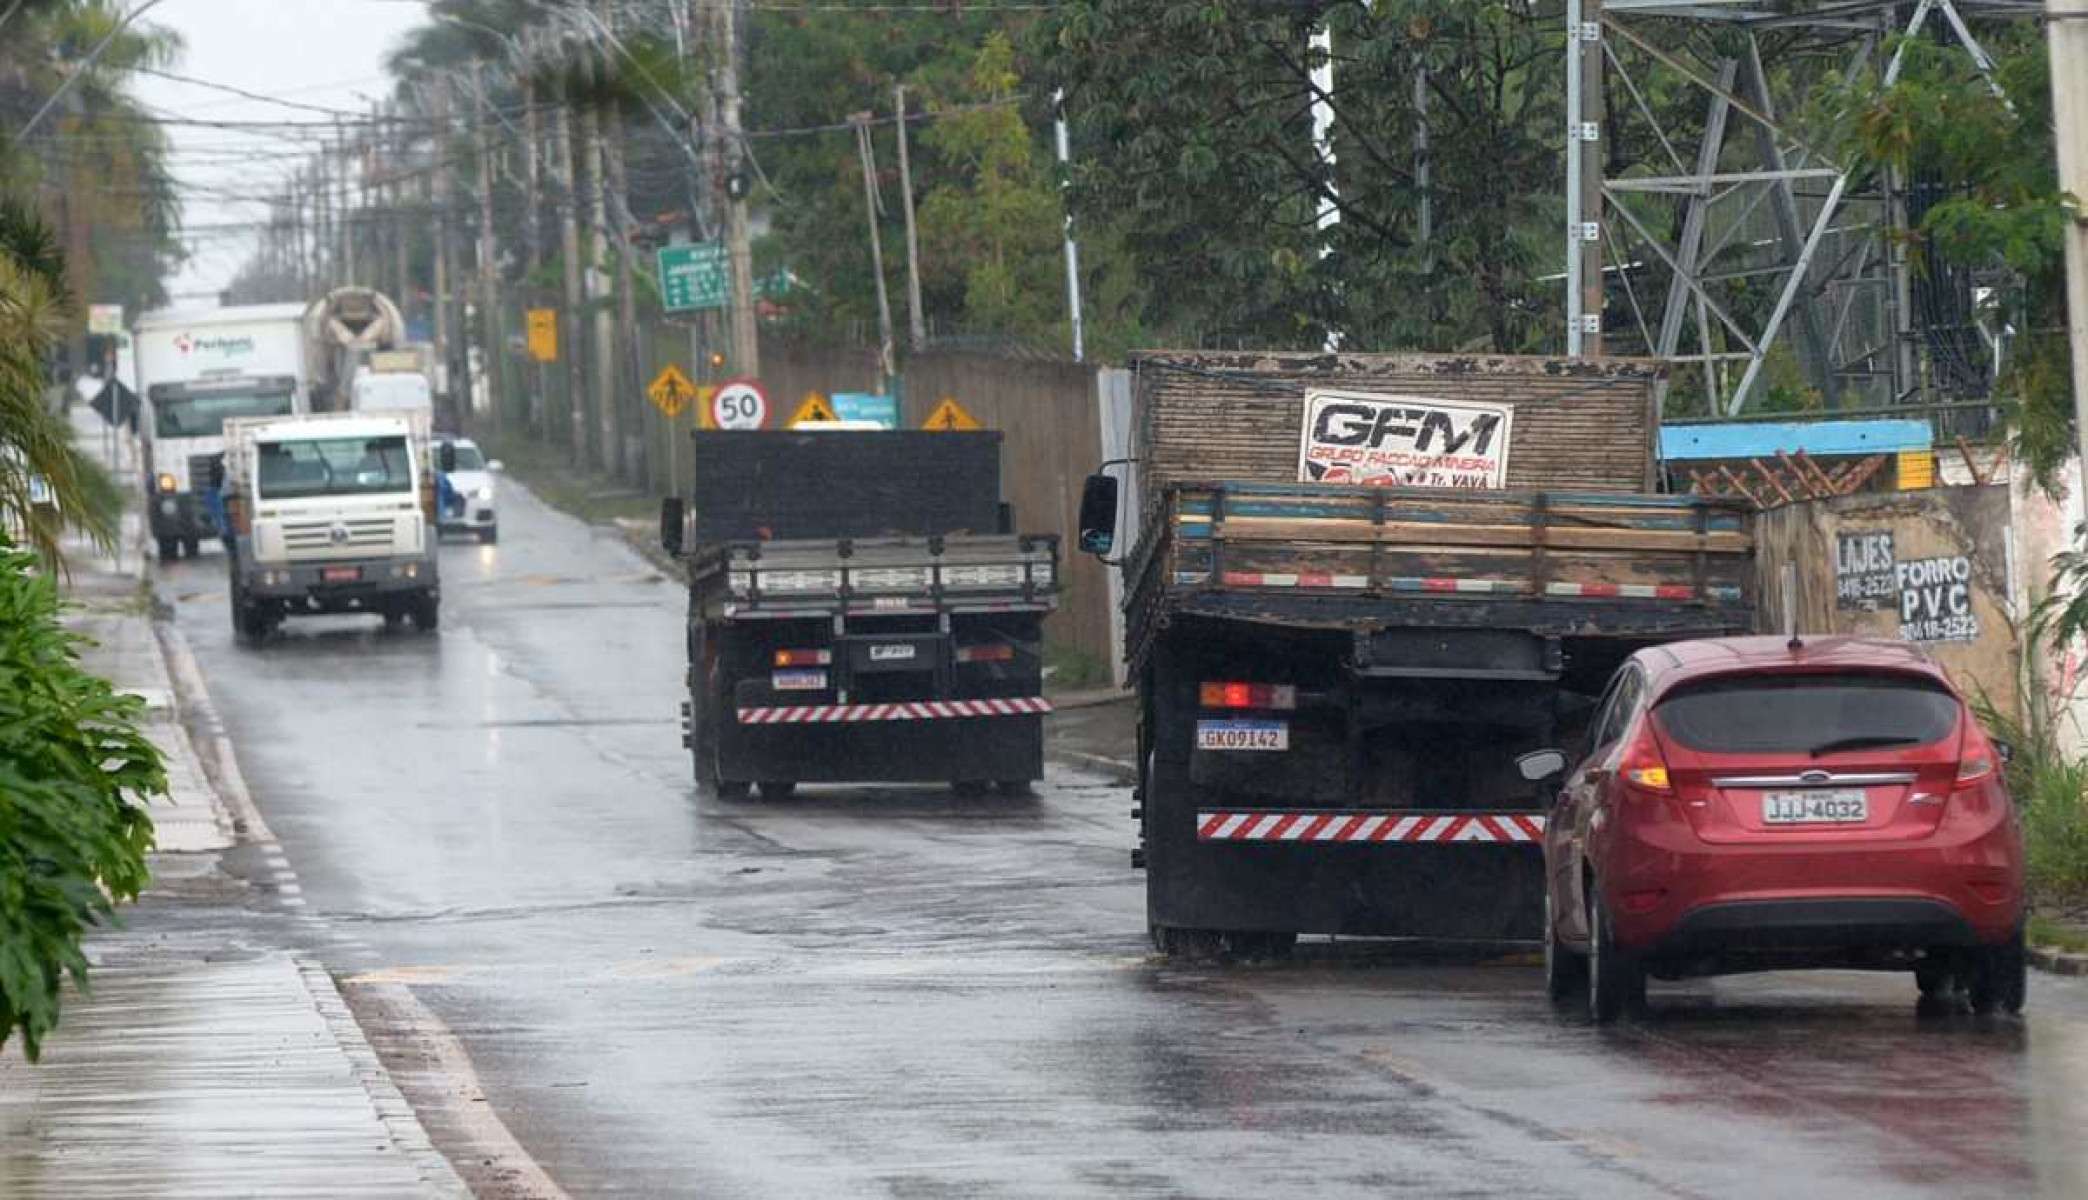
(493, 346)
(345, 223)
(402, 230)
(445, 337)
(322, 221)
(868, 155)
(2066, 35)
(1583, 178)
(633, 373)
(917, 334)
(746, 350)
(609, 443)
(569, 253)
(533, 218)
(1065, 161)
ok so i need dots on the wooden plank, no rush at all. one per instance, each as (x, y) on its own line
(1424, 533)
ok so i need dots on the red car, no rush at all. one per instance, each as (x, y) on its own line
(1753, 803)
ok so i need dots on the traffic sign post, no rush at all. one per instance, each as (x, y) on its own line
(671, 391)
(737, 404)
(813, 410)
(694, 275)
(949, 416)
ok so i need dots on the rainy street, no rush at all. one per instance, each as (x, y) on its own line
(491, 837)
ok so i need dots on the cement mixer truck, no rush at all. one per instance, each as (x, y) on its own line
(352, 337)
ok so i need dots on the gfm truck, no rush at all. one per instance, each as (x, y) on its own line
(860, 611)
(330, 513)
(1360, 587)
(196, 370)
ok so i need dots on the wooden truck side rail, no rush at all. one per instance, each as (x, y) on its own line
(1337, 555)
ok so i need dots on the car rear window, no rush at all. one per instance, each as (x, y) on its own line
(1760, 714)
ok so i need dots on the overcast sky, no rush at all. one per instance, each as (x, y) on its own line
(326, 53)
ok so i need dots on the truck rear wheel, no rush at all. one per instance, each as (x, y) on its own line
(192, 546)
(169, 549)
(707, 735)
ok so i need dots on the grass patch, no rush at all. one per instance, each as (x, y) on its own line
(589, 495)
(1073, 670)
(2044, 931)
(2051, 795)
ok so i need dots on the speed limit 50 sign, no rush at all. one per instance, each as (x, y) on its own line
(737, 404)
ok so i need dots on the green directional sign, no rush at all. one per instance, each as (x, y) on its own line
(694, 275)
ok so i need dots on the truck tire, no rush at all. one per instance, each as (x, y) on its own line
(192, 546)
(489, 535)
(169, 549)
(705, 751)
(427, 613)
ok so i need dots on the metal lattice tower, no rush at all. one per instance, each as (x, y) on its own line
(1729, 233)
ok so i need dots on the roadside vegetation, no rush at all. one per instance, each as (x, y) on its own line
(2050, 790)
(75, 775)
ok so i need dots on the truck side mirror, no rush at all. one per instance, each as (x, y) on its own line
(1098, 514)
(671, 525)
(446, 457)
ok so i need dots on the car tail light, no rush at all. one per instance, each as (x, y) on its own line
(1643, 766)
(995, 652)
(1976, 757)
(1249, 695)
(804, 658)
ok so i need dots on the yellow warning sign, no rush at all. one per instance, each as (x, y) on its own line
(671, 391)
(1917, 470)
(949, 416)
(812, 410)
(543, 334)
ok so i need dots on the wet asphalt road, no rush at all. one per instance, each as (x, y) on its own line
(893, 992)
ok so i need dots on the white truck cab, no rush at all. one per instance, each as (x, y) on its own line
(330, 513)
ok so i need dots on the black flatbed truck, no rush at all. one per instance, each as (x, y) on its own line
(858, 613)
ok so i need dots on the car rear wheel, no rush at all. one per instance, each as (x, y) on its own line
(1565, 969)
(1999, 979)
(1616, 978)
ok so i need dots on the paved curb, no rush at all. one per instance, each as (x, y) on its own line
(398, 1116)
(2055, 961)
(1124, 771)
(206, 732)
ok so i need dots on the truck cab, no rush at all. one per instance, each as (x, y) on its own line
(186, 439)
(329, 514)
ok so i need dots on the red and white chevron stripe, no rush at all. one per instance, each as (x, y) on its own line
(915, 710)
(1368, 827)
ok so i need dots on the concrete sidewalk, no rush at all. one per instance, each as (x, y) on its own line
(195, 1070)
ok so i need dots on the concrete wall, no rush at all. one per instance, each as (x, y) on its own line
(1050, 415)
(1934, 567)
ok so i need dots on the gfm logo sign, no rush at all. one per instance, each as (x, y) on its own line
(218, 345)
(1403, 441)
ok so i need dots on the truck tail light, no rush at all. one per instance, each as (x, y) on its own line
(1643, 766)
(1249, 695)
(804, 658)
(993, 652)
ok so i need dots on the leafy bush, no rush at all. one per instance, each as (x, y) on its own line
(75, 773)
(2051, 793)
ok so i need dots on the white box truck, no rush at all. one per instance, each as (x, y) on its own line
(195, 370)
(330, 513)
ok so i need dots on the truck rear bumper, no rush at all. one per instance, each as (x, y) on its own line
(885, 751)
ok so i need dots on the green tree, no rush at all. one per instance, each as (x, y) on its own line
(2006, 211)
(994, 223)
(1193, 132)
(75, 774)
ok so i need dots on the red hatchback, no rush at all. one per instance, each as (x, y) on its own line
(1747, 804)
